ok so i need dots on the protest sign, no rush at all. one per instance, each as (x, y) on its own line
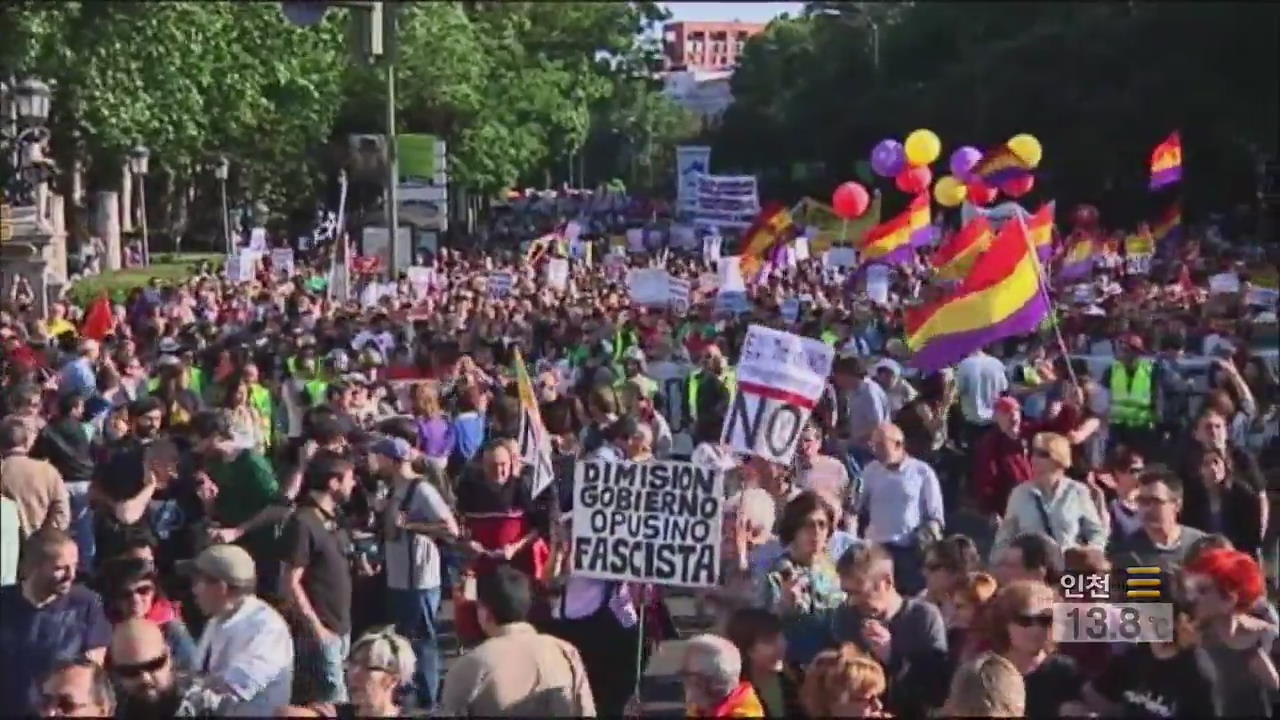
(878, 284)
(801, 249)
(1227, 282)
(635, 240)
(678, 294)
(692, 161)
(790, 309)
(671, 400)
(780, 377)
(238, 270)
(558, 274)
(1262, 297)
(258, 239)
(841, 257)
(282, 262)
(732, 293)
(656, 522)
(500, 283)
(727, 201)
(649, 287)
(711, 248)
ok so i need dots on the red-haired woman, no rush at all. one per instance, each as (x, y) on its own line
(1223, 584)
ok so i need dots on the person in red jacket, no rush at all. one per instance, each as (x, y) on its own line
(1002, 460)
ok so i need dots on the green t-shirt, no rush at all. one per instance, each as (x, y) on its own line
(246, 486)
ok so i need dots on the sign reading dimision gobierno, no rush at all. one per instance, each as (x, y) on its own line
(655, 522)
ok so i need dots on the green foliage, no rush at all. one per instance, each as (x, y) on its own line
(169, 268)
(1099, 85)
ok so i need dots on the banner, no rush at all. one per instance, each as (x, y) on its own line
(535, 443)
(671, 400)
(678, 294)
(692, 161)
(649, 287)
(780, 378)
(727, 201)
(656, 522)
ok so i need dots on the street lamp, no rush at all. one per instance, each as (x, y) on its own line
(138, 161)
(31, 100)
(221, 170)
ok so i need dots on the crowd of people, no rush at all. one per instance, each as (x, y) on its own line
(253, 498)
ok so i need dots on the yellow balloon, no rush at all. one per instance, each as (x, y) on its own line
(922, 147)
(1027, 148)
(949, 192)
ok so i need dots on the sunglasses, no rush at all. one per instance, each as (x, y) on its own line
(135, 669)
(1044, 620)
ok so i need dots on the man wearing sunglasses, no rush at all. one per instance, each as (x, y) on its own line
(76, 688)
(147, 683)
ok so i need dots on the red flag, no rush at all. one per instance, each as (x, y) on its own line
(98, 321)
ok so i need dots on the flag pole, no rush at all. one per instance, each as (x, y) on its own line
(1042, 285)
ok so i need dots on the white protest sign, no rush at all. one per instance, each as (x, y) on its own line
(282, 261)
(635, 240)
(780, 378)
(1262, 297)
(500, 283)
(572, 230)
(878, 283)
(672, 400)
(615, 266)
(1137, 264)
(1227, 282)
(236, 269)
(656, 522)
(801, 249)
(258, 239)
(692, 161)
(732, 292)
(558, 274)
(649, 287)
(420, 280)
(711, 249)
(842, 257)
(678, 294)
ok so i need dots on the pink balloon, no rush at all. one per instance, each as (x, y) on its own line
(850, 200)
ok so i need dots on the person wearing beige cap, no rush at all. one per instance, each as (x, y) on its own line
(1051, 502)
(246, 650)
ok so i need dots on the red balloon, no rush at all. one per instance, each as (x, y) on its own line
(1018, 187)
(850, 200)
(979, 193)
(1085, 216)
(914, 180)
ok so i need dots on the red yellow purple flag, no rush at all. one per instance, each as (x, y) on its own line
(1040, 231)
(1167, 230)
(957, 255)
(1166, 162)
(895, 240)
(763, 235)
(1000, 297)
(1000, 165)
(1077, 264)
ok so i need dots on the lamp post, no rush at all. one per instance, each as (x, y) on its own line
(24, 110)
(139, 157)
(221, 169)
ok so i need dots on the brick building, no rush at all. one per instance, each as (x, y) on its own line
(705, 46)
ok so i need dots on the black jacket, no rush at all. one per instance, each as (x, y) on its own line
(66, 446)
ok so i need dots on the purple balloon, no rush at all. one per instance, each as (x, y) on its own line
(888, 158)
(963, 160)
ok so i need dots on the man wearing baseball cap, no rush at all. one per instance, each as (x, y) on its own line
(246, 650)
(1132, 380)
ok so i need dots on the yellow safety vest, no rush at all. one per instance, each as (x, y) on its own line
(1131, 399)
(729, 377)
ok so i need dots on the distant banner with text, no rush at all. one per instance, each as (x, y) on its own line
(656, 522)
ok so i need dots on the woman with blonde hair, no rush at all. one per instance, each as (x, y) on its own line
(987, 686)
(971, 595)
(844, 682)
(435, 430)
(1017, 625)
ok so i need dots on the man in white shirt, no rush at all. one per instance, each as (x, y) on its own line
(980, 380)
(246, 650)
(902, 501)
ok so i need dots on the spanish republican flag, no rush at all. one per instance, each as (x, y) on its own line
(1168, 229)
(894, 241)
(957, 255)
(1000, 165)
(1001, 297)
(1166, 162)
(1040, 231)
(768, 228)
(1077, 264)
(98, 320)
